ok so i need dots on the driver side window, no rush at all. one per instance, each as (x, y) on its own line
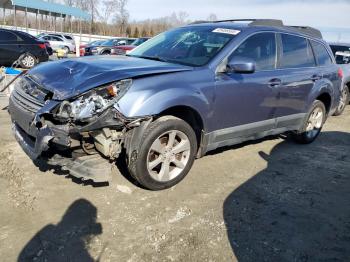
(261, 48)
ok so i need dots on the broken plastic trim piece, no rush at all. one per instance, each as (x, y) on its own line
(31, 148)
(89, 167)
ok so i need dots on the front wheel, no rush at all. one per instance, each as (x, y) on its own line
(166, 153)
(312, 125)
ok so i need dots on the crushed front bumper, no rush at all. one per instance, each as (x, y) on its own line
(33, 147)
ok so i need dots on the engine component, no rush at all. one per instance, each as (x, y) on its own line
(108, 142)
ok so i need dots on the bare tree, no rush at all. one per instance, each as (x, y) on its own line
(212, 17)
(182, 17)
(121, 16)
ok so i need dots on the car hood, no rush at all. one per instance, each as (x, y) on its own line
(71, 77)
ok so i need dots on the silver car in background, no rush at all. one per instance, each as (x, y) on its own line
(59, 41)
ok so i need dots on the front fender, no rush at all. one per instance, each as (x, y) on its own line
(147, 102)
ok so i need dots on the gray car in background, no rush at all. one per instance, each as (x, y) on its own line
(341, 52)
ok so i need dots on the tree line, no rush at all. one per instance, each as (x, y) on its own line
(108, 17)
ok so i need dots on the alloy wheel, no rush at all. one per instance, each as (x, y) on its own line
(168, 156)
(343, 99)
(28, 61)
(315, 122)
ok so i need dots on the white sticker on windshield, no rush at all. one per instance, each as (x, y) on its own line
(226, 31)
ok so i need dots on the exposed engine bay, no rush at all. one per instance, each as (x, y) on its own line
(88, 124)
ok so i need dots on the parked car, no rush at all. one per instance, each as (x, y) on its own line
(17, 45)
(66, 37)
(341, 52)
(124, 49)
(85, 48)
(178, 96)
(56, 42)
(105, 47)
(48, 48)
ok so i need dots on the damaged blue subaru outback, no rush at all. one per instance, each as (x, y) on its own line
(179, 95)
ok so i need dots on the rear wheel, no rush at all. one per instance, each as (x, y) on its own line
(344, 101)
(312, 125)
(27, 61)
(66, 49)
(165, 155)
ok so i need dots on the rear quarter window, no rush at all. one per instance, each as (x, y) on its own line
(296, 52)
(322, 56)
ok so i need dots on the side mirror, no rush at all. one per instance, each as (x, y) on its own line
(241, 65)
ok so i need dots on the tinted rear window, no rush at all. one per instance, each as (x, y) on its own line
(7, 36)
(322, 56)
(339, 48)
(296, 52)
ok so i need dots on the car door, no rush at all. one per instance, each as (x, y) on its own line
(246, 103)
(9, 50)
(55, 42)
(298, 73)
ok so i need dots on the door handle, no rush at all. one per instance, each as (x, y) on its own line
(315, 77)
(275, 82)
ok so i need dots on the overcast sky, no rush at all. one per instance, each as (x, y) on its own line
(325, 14)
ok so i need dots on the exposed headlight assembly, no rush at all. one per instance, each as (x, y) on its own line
(95, 101)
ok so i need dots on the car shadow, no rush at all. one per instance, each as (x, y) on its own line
(298, 208)
(69, 239)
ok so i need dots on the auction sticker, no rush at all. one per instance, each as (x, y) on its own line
(226, 31)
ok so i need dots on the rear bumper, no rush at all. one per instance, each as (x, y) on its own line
(43, 58)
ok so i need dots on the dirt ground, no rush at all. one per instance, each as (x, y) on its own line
(270, 200)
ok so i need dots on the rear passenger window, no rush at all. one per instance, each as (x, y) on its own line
(322, 56)
(261, 48)
(296, 52)
(7, 36)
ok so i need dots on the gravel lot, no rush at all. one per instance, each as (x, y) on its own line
(270, 200)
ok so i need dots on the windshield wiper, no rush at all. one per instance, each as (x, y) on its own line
(156, 58)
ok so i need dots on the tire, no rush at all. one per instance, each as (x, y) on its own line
(160, 165)
(344, 101)
(27, 61)
(66, 49)
(106, 53)
(313, 124)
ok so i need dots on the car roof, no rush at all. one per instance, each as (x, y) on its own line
(21, 33)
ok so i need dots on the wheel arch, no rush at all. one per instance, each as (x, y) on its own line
(190, 115)
(326, 99)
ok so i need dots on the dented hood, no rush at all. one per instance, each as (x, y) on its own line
(71, 77)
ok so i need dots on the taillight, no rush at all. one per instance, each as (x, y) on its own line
(42, 46)
(340, 73)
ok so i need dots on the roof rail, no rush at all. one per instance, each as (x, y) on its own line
(253, 22)
(308, 31)
(271, 22)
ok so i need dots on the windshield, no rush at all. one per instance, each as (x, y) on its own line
(96, 42)
(194, 46)
(139, 41)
